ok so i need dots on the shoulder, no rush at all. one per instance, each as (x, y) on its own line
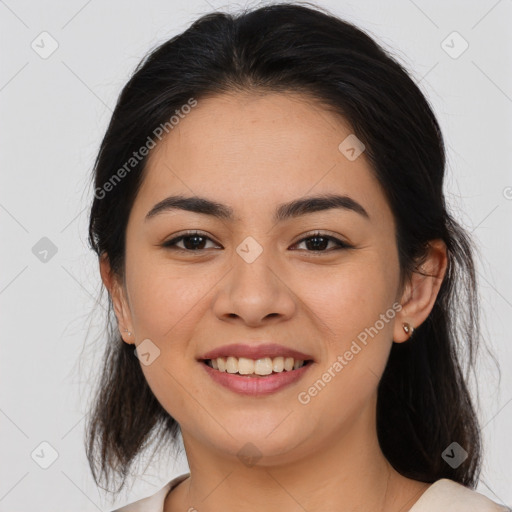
(450, 496)
(155, 502)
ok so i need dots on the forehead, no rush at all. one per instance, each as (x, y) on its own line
(238, 132)
(255, 150)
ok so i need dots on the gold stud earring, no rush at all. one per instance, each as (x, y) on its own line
(408, 328)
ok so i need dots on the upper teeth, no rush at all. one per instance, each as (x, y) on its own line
(263, 366)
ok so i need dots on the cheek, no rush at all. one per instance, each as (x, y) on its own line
(167, 303)
(165, 299)
(348, 299)
(353, 310)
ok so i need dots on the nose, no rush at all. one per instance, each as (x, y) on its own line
(255, 292)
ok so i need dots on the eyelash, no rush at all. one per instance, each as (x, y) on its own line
(171, 244)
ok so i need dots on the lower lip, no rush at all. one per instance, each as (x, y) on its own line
(255, 386)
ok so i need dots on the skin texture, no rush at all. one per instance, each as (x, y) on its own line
(253, 152)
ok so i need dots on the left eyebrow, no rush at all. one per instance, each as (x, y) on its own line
(285, 211)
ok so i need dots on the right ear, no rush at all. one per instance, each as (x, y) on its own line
(118, 295)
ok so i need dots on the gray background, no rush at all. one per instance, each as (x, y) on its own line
(54, 112)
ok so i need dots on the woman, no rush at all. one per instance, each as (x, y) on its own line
(288, 283)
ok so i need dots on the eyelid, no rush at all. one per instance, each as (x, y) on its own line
(171, 243)
(324, 234)
(340, 243)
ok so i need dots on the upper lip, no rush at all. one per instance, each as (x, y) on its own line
(255, 352)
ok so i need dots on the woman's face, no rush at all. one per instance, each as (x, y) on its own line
(253, 279)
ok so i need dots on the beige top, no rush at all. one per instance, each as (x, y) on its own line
(443, 495)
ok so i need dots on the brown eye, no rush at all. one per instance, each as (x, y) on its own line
(319, 241)
(192, 242)
(196, 241)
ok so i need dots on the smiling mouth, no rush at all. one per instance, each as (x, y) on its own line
(264, 367)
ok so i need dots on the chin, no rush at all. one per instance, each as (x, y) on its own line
(263, 446)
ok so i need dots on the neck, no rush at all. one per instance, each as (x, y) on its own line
(347, 472)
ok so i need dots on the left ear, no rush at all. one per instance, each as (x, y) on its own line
(421, 292)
